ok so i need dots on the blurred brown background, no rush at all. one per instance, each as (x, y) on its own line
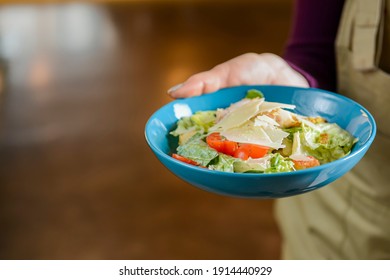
(80, 80)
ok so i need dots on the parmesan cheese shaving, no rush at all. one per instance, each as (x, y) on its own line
(269, 106)
(239, 115)
(265, 136)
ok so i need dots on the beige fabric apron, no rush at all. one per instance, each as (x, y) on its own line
(350, 219)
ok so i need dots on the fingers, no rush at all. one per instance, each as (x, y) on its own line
(246, 69)
(204, 82)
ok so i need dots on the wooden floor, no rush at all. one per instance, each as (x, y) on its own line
(77, 179)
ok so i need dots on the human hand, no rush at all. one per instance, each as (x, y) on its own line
(246, 69)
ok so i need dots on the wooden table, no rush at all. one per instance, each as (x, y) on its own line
(77, 180)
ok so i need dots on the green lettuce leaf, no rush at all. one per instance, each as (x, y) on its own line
(254, 93)
(271, 163)
(278, 163)
(197, 150)
(241, 166)
(330, 142)
(200, 121)
(223, 163)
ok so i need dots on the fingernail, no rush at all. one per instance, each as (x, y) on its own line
(174, 88)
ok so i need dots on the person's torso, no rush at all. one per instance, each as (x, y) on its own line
(363, 64)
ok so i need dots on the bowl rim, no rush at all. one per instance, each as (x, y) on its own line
(321, 167)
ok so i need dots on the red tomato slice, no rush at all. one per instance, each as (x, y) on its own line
(246, 151)
(230, 147)
(303, 164)
(215, 141)
(241, 153)
(184, 159)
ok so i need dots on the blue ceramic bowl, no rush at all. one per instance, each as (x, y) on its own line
(310, 102)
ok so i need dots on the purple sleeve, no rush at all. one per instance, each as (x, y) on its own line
(311, 46)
